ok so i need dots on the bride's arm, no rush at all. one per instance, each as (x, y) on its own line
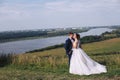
(80, 46)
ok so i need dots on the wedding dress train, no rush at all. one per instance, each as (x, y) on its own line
(82, 64)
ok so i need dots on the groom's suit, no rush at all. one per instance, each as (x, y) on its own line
(68, 48)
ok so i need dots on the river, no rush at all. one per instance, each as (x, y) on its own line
(28, 45)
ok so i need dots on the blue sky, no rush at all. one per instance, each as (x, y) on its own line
(38, 14)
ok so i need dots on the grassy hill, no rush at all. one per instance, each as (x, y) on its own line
(53, 64)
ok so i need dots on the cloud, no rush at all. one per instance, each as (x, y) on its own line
(1, 1)
(62, 6)
(58, 13)
(18, 11)
(80, 5)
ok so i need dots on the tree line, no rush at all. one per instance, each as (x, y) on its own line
(86, 39)
(16, 35)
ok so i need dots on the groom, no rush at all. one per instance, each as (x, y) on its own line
(68, 46)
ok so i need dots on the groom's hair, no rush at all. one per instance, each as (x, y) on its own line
(71, 33)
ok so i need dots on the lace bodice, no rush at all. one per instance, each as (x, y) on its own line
(76, 43)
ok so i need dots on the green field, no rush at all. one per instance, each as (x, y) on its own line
(53, 64)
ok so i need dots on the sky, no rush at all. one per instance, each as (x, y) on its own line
(40, 14)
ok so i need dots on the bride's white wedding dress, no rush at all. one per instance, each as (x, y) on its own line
(82, 64)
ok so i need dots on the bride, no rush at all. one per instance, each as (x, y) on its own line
(81, 63)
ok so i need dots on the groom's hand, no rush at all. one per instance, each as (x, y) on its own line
(70, 52)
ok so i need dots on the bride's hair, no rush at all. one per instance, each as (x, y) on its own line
(78, 36)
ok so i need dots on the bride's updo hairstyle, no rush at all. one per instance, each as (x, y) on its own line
(78, 36)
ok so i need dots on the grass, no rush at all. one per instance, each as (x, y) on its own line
(53, 64)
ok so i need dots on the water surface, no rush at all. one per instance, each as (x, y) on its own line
(28, 45)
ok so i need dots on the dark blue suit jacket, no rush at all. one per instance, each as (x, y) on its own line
(68, 46)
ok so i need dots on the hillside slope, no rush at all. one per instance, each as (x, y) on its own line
(53, 64)
(112, 45)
